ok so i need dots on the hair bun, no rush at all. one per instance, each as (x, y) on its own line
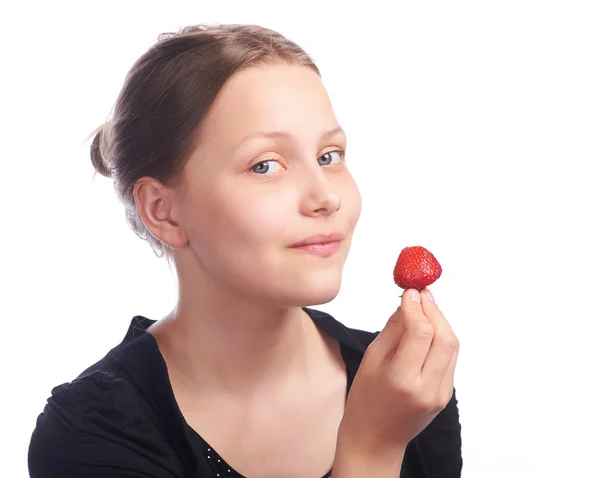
(98, 161)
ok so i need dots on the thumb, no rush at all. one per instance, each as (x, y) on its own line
(388, 340)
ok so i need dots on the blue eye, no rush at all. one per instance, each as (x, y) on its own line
(272, 166)
(332, 157)
(265, 167)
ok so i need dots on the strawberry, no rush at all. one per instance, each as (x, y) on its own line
(416, 268)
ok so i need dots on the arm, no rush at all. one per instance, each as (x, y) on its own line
(351, 462)
(435, 452)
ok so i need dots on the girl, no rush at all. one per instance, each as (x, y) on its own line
(227, 155)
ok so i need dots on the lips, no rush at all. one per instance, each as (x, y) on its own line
(323, 245)
(319, 239)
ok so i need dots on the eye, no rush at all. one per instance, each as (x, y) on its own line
(266, 167)
(332, 157)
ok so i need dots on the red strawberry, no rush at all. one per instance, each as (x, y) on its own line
(416, 268)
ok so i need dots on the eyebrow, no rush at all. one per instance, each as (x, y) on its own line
(285, 135)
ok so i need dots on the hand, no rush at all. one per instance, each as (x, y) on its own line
(405, 379)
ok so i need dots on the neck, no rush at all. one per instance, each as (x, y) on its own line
(219, 340)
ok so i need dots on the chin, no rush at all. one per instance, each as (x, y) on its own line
(313, 288)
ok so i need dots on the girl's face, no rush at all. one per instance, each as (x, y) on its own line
(269, 173)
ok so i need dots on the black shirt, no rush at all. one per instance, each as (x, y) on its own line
(119, 419)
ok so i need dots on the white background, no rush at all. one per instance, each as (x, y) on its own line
(473, 130)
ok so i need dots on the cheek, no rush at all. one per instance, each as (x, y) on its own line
(243, 226)
(258, 221)
(352, 202)
(239, 241)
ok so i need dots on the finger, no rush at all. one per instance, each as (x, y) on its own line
(411, 306)
(433, 313)
(413, 349)
(447, 385)
(417, 337)
(444, 342)
(388, 340)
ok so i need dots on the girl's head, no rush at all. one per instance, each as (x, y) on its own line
(225, 150)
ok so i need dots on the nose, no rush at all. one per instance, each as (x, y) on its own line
(321, 197)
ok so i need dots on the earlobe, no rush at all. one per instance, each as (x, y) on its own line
(154, 202)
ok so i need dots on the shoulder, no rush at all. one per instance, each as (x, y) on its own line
(356, 339)
(363, 336)
(97, 425)
(99, 394)
(105, 423)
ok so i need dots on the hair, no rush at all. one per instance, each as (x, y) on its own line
(165, 97)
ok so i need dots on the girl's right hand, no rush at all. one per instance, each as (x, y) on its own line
(405, 379)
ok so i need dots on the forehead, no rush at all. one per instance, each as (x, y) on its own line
(274, 97)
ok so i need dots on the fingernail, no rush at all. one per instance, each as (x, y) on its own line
(412, 294)
(429, 296)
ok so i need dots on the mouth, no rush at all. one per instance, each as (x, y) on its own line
(322, 245)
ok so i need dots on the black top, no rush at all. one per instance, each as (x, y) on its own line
(119, 419)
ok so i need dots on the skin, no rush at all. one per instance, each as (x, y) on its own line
(246, 363)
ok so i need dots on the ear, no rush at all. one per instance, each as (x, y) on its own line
(155, 203)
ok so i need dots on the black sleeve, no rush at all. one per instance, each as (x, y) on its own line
(98, 426)
(436, 452)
